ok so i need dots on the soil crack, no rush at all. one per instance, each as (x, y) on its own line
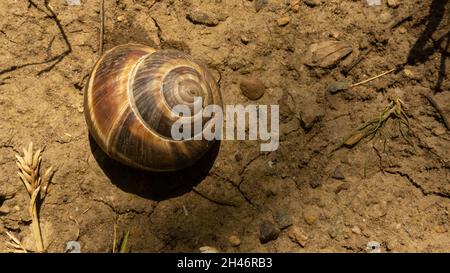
(418, 186)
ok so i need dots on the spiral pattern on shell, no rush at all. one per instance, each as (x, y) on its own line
(129, 104)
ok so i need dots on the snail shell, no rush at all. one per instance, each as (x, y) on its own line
(129, 102)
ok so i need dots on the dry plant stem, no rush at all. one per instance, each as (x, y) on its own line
(16, 244)
(36, 185)
(373, 78)
(35, 222)
(114, 239)
(373, 125)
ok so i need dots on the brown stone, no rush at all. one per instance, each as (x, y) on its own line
(252, 88)
(298, 236)
(282, 21)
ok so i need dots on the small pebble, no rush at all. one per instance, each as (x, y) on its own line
(234, 240)
(282, 21)
(333, 232)
(402, 30)
(252, 88)
(199, 17)
(314, 183)
(393, 3)
(337, 174)
(238, 156)
(283, 219)
(356, 230)
(311, 215)
(298, 236)
(408, 73)
(4, 210)
(120, 18)
(310, 115)
(385, 17)
(268, 232)
(312, 3)
(295, 5)
(259, 4)
(391, 245)
(244, 39)
(25, 216)
(335, 87)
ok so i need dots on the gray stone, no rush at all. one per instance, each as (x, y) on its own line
(312, 3)
(259, 4)
(337, 173)
(314, 183)
(335, 87)
(333, 232)
(268, 232)
(283, 219)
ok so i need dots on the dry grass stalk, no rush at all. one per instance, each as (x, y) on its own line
(395, 108)
(36, 185)
(15, 244)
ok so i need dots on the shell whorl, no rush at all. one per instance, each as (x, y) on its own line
(129, 104)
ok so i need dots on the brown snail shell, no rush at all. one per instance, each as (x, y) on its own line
(128, 105)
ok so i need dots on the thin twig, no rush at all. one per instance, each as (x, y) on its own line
(78, 227)
(373, 78)
(114, 238)
(16, 244)
(398, 20)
